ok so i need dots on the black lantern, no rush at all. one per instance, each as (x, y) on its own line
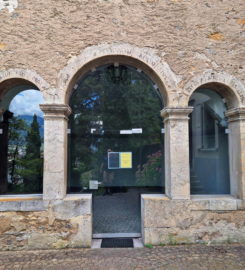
(118, 74)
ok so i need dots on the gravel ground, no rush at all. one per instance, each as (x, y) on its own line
(196, 257)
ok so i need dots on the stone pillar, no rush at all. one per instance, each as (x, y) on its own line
(236, 120)
(55, 150)
(177, 168)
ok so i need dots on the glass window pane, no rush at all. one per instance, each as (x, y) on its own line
(117, 113)
(22, 137)
(209, 161)
(116, 144)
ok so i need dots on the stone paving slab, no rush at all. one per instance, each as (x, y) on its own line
(196, 257)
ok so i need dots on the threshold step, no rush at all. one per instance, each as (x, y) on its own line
(117, 243)
(116, 235)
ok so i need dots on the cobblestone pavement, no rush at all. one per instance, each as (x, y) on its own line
(196, 257)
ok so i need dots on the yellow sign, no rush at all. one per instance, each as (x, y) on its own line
(126, 160)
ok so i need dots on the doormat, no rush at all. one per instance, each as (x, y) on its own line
(117, 243)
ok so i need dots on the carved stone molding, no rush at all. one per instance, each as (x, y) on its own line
(235, 86)
(50, 95)
(145, 56)
(236, 114)
(25, 74)
(55, 111)
(176, 113)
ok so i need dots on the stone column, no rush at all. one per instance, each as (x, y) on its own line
(177, 168)
(55, 150)
(236, 120)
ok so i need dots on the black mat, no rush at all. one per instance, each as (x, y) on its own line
(117, 243)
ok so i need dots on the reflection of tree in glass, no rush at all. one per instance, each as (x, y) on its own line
(17, 132)
(149, 174)
(25, 161)
(100, 103)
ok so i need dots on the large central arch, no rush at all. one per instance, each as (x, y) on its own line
(142, 58)
(115, 142)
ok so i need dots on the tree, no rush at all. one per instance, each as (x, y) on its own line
(17, 138)
(31, 165)
(111, 103)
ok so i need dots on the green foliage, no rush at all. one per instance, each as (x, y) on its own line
(33, 140)
(25, 161)
(31, 164)
(17, 133)
(102, 102)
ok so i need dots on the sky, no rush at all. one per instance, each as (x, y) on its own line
(27, 103)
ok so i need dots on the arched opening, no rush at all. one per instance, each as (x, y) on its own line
(208, 135)
(116, 144)
(21, 137)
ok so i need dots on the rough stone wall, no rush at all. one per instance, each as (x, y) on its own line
(54, 224)
(38, 39)
(191, 35)
(183, 221)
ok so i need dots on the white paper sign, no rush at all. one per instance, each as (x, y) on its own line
(93, 184)
(128, 131)
(137, 130)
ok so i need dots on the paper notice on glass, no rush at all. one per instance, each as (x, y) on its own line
(126, 131)
(113, 160)
(137, 130)
(126, 160)
(93, 184)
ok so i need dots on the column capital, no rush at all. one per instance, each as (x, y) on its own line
(236, 114)
(56, 111)
(180, 113)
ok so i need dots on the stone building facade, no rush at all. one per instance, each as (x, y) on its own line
(181, 45)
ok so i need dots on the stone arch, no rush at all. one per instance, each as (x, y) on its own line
(12, 82)
(12, 77)
(142, 58)
(25, 74)
(229, 87)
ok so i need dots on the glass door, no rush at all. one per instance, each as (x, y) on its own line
(116, 145)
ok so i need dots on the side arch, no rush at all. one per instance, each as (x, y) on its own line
(15, 148)
(142, 58)
(27, 75)
(12, 77)
(229, 87)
